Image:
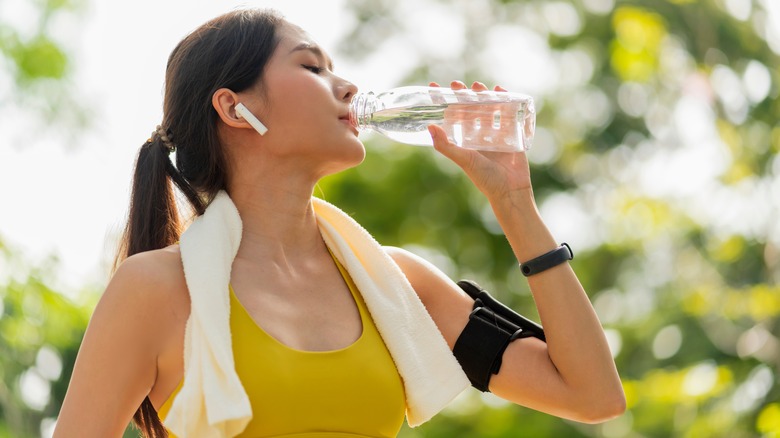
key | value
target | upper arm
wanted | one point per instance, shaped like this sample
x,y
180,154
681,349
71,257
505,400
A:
x,y
117,361
527,376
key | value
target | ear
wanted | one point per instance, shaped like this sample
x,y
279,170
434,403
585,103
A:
x,y
224,101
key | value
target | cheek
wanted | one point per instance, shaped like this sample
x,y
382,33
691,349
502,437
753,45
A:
x,y
292,104
297,100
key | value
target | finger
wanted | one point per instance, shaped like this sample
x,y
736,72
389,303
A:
x,y
436,96
499,88
478,86
483,116
447,148
457,85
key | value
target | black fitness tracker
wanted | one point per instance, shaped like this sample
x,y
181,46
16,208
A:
x,y
548,260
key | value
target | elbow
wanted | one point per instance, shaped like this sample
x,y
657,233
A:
x,y
605,408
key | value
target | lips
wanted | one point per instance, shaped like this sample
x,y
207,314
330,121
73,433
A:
x,y
346,119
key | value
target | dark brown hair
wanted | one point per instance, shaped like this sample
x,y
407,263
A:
x,y
230,51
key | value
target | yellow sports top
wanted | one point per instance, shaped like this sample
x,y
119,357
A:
x,y
352,392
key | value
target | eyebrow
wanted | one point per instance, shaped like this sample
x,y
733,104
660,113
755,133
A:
x,y
314,49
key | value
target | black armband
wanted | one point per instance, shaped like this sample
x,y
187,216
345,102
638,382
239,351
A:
x,y
491,327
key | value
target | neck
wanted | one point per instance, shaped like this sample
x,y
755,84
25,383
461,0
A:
x,y
279,224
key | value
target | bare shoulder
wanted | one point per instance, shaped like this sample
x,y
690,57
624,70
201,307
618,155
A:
x,y
158,267
417,270
137,323
150,291
427,279
151,279
447,304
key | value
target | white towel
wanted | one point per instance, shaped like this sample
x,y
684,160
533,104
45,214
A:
x,y
212,402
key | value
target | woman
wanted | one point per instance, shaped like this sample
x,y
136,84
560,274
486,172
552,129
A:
x,y
298,295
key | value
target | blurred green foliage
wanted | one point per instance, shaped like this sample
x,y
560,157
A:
x,y
40,332
662,118
656,157
38,64
40,329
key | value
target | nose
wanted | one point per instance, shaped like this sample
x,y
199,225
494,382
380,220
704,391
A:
x,y
346,90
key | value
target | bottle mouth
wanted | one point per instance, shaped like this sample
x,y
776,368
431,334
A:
x,y
360,110
352,117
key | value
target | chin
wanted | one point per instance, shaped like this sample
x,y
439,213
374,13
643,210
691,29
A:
x,y
347,157
355,160
356,151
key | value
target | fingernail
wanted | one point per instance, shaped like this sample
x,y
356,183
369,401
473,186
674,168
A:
x,y
431,131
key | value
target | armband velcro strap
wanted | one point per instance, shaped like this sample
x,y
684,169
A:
x,y
530,328
481,345
491,327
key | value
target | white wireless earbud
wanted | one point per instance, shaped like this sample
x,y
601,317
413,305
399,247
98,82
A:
x,y
244,112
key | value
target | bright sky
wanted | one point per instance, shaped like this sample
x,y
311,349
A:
x,y
66,201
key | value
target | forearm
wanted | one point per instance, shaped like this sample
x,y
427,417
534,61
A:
x,y
576,342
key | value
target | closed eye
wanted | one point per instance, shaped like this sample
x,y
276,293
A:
x,y
313,68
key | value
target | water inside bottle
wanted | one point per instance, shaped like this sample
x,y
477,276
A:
x,y
504,126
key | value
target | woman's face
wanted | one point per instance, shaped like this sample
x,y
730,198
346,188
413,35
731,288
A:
x,y
304,104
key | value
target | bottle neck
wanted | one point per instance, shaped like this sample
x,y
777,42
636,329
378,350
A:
x,y
361,109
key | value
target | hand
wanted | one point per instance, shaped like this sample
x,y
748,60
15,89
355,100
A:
x,y
496,174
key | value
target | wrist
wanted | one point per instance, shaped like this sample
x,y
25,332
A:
x,y
510,201
515,208
523,225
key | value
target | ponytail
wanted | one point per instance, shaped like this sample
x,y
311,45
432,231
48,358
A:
x,y
152,223
153,219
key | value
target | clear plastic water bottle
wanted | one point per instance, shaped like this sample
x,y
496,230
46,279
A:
x,y
484,120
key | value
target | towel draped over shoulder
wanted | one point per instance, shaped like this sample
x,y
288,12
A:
x,y
212,402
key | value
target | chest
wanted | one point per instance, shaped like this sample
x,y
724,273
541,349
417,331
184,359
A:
x,y
311,314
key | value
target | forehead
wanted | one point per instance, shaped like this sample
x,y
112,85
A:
x,y
290,36
293,38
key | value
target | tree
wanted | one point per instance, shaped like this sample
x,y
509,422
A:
x,y
40,329
37,65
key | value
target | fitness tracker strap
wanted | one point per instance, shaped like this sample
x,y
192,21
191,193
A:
x,y
548,260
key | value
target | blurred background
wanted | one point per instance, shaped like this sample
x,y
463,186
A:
x,y
655,157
